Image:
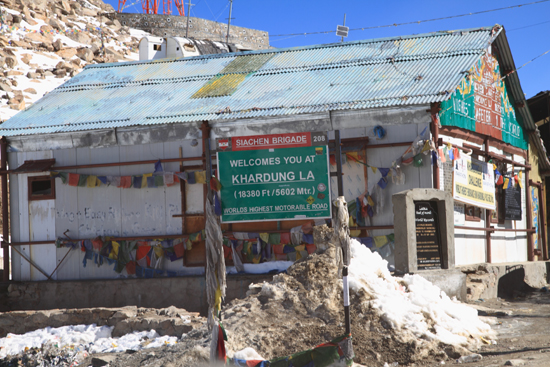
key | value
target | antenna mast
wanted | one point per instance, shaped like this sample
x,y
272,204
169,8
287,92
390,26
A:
x,y
229,20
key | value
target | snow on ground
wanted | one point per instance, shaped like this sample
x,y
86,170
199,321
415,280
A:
x,y
262,268
413,303
91,338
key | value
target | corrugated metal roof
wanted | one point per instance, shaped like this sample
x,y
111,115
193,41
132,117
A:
x,y
385,72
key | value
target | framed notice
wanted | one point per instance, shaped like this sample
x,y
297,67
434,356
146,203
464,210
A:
x,y
512,203
274,177
474,182
428,242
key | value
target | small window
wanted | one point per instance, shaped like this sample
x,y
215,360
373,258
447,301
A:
x,y
157,47
41,188
473,213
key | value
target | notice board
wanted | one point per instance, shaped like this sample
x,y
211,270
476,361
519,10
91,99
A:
x,y
512,203
274,177
428,244
474,182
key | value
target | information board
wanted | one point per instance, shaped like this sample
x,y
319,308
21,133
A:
x,y
512,203
266,183
474,182
427,235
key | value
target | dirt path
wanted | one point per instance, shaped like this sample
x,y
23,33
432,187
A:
x,y
523,329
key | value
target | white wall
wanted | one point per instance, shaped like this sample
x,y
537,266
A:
x,y
105,211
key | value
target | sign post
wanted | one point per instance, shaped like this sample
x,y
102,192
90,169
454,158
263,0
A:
x,y
274,177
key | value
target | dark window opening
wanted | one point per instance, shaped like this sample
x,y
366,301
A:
x,y
473,213
157,47
41,188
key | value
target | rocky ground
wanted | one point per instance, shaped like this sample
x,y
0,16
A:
x,y
43,43
295,312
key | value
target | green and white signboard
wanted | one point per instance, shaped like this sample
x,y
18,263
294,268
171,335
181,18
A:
x,y
274,177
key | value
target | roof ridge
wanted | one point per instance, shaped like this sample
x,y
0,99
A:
x,y
291,49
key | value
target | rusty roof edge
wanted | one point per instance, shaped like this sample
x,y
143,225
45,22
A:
x,y
507,63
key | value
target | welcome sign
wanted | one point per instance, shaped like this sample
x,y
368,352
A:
x,y
275,177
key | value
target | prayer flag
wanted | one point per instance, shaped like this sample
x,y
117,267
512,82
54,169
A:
x,y
158,167
74,178
144,179
215,184
83,181
91,181
442,155
200,177
384,171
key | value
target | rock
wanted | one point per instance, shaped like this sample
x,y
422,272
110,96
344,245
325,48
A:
x,y
37,37
57,45
17,105
80,37
32,75
66,53
28,18
16,18
56,24
75,62
88,12
46,28
455,351
65,5
11,62
48,73
104,360
20,43
26,58
515,362
5,87
85,54
470,358
60,73
14,72
30,90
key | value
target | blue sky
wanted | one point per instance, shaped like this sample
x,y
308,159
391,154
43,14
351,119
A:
x,y
527,28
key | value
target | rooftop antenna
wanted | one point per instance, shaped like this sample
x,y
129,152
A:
x,y
189,5
229,20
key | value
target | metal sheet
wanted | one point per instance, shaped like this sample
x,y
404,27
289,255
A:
x,y
376,73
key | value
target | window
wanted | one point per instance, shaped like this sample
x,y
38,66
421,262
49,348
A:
x,y
41,188
157,47
473,213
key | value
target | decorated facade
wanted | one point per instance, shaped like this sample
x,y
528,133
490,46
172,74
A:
x,y
103,184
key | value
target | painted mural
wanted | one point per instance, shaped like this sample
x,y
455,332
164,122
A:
x,y
535,215
481,103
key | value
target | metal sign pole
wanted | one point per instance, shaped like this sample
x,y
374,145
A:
x,y
342,40
340,180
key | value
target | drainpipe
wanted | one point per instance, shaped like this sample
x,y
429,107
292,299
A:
x,y
542,211
5,219
529,224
